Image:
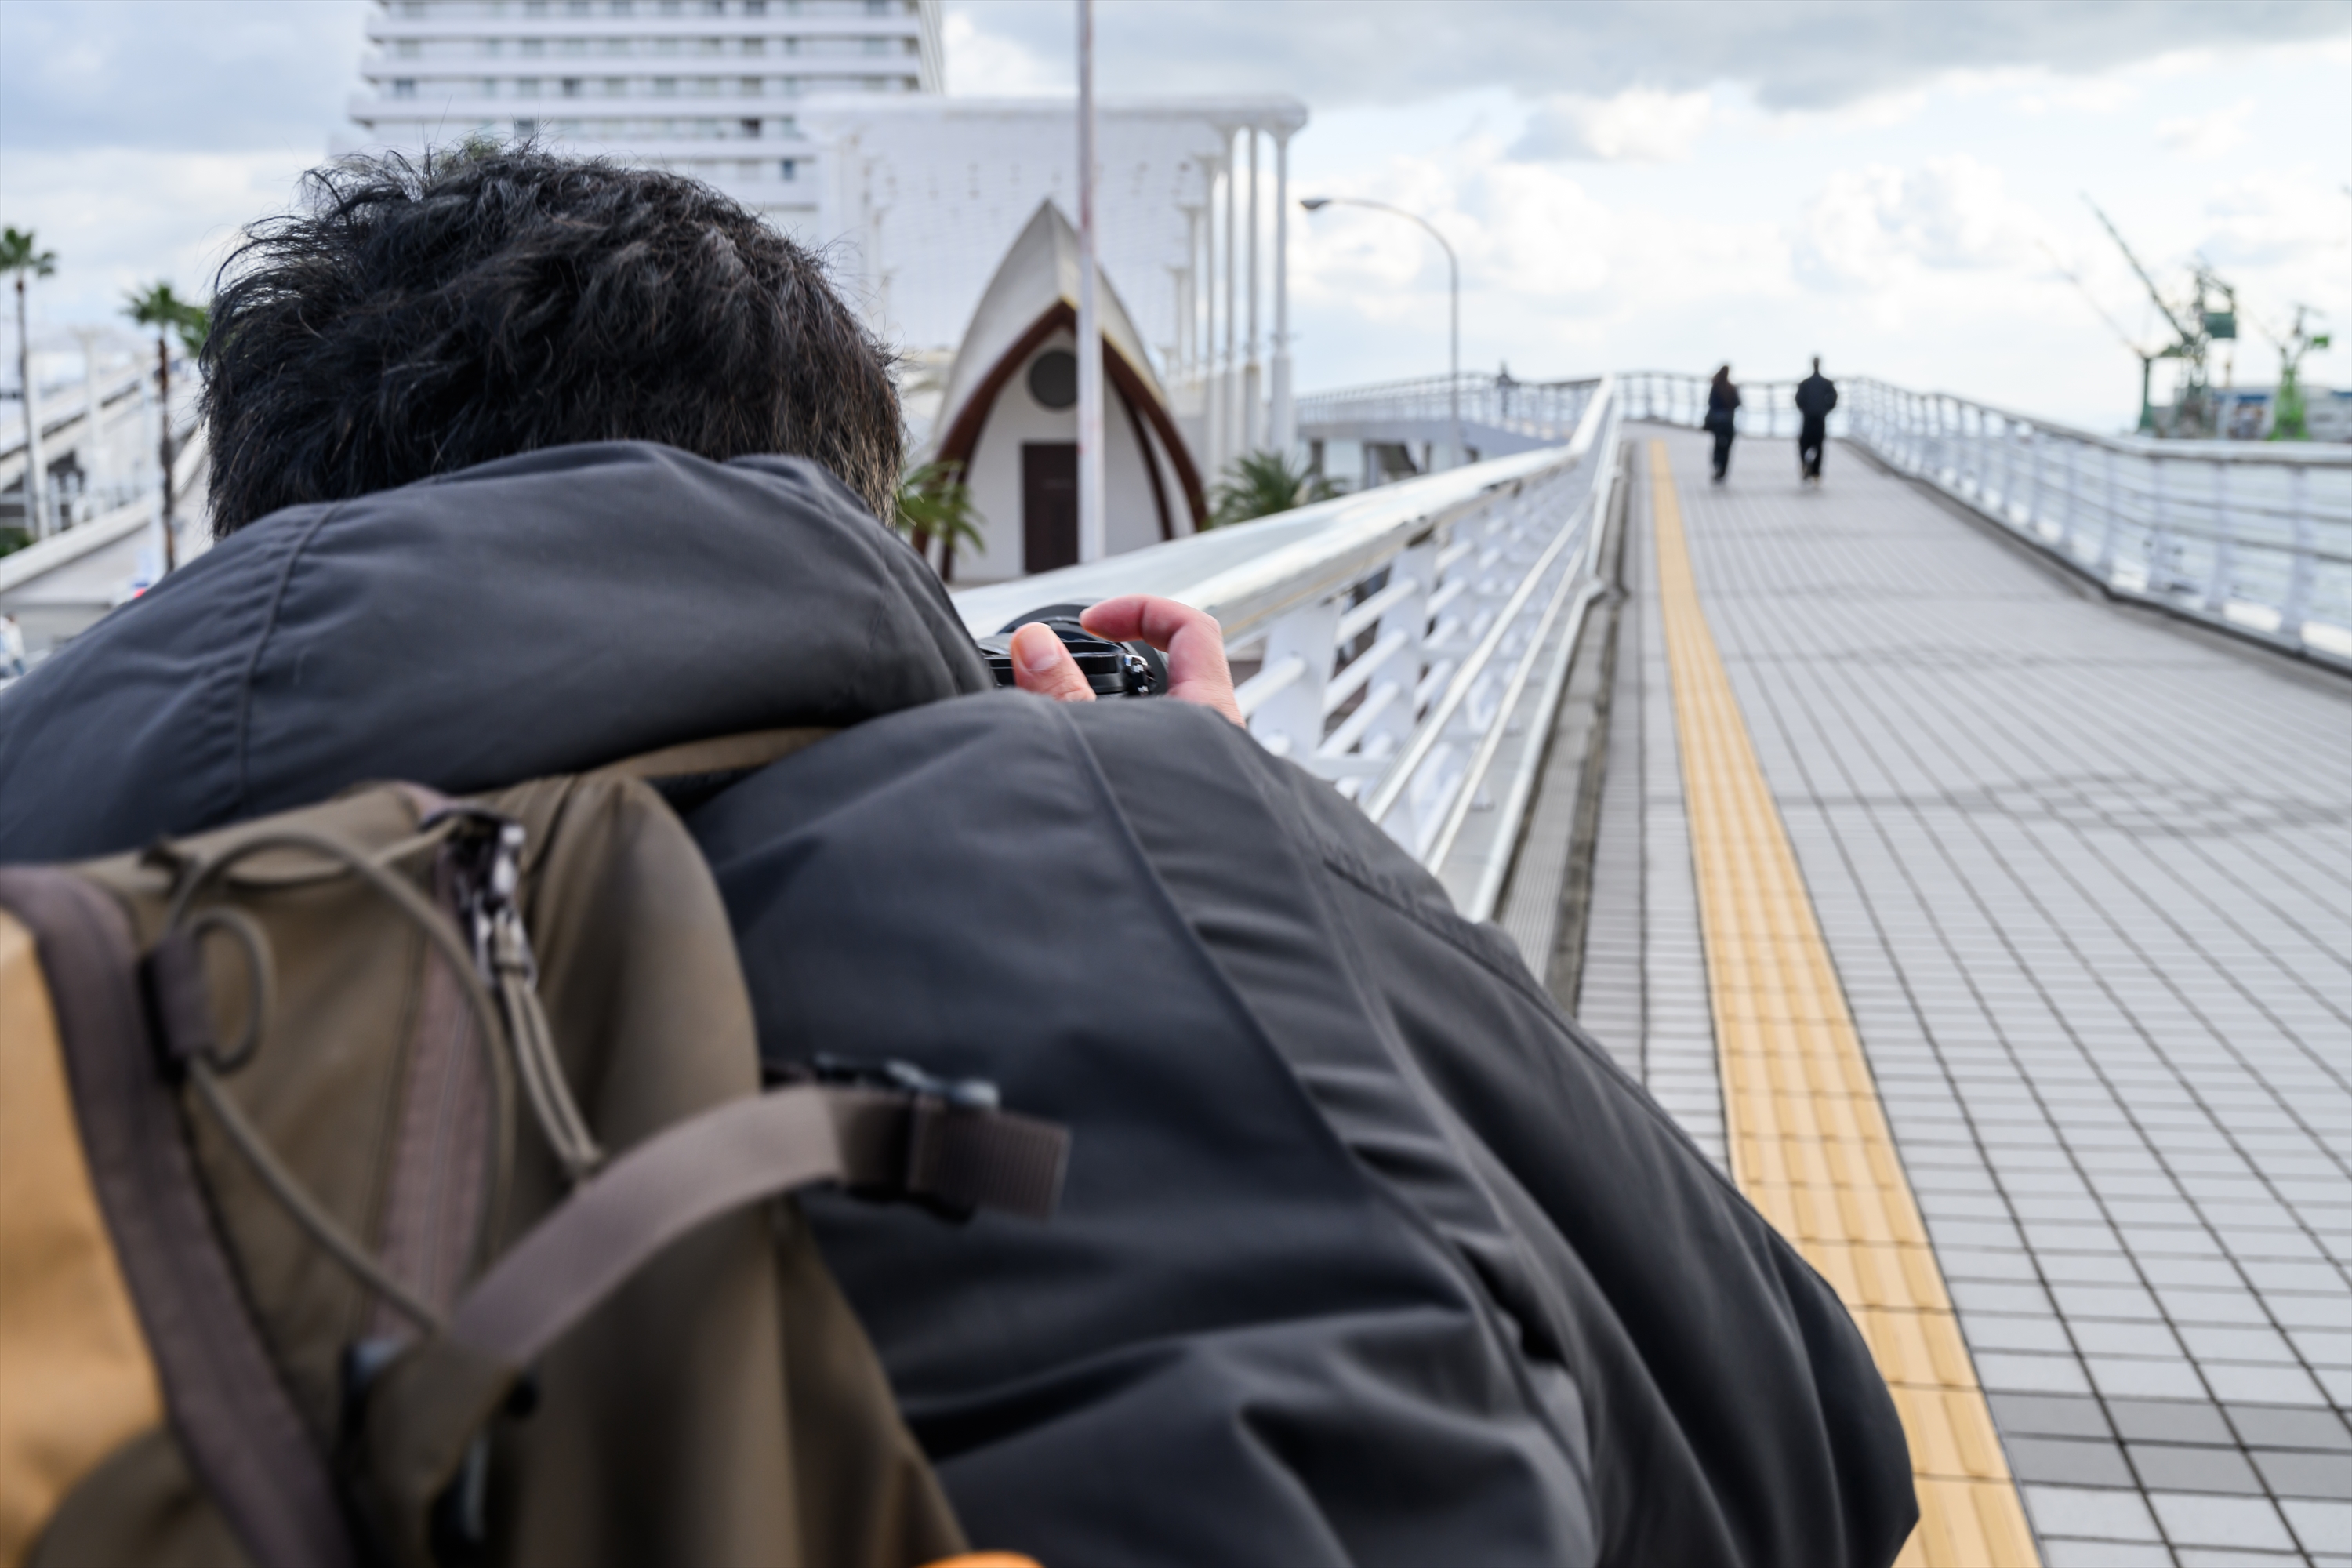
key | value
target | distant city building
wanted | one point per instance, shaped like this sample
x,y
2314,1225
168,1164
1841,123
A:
x,y
707,88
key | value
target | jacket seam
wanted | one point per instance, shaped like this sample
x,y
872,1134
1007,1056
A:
x,y
261,645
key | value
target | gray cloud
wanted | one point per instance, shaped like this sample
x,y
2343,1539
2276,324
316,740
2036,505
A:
x,y
1794,54
217,76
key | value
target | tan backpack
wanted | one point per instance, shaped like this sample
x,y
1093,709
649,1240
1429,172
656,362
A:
x,y
392,1181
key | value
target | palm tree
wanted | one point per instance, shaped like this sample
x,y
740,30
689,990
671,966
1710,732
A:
x,y
156,306
20,254
935,503
1259,484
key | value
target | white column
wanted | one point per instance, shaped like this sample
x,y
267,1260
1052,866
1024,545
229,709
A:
x,y
1252,373
1213,380
93,438
1229,436
1093,534
1285,418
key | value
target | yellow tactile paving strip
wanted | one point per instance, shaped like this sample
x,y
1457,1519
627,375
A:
x,y
1808,1138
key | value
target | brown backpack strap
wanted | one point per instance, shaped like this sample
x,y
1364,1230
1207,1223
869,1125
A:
x,y
237,1427
884,1142
737,754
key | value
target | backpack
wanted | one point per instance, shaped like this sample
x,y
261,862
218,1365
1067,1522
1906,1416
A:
x,y
392,1181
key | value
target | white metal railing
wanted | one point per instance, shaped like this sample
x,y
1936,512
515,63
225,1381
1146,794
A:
x,y
1409,644
1546,411
2254,536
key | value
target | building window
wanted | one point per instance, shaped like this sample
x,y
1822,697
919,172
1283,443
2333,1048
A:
x,y
534,7
492,45
750,131
526,127
789,168
404,86
534,46
878,46
577,7
615,87
571,87
575,45
412,8
526,87
753,47
665,86
671,7
755,7
707,129
408,48
622,7
749,87
714,7
705,87
711,46
489,87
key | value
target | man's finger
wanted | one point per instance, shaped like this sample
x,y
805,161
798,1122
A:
x,y
1042,665
1195,643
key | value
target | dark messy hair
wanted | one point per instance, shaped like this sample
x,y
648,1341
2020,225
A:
x,y
419,316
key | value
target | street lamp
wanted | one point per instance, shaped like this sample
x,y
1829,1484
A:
x,y
1453,285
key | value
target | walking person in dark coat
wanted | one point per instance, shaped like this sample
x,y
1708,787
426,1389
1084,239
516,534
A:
x,y
1722,405
1816,396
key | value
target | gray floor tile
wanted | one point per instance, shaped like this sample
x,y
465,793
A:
x,y
2320,1526
2172,1421
2062,1553
2263,1427
2294,1473
2068,1461
2191,1518
2099,1514
2054,1416
2167,1467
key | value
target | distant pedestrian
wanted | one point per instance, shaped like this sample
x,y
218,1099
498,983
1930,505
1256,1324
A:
x,y
1816,396
1722,403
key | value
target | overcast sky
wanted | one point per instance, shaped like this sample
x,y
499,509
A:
x,y
1630,184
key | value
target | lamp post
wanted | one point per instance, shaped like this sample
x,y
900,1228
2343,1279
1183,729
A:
x,y
1453,289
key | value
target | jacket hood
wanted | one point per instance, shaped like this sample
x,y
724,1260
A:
x,y
538,615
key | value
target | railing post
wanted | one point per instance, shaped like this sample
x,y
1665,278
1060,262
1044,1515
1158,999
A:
x,y
2217,585
2162,570
2033,492
2300,566
2073,534
2106,562
1290,722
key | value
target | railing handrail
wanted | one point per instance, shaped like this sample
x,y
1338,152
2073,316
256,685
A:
x,y
1297,551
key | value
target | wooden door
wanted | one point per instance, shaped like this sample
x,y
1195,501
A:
x,y
1049,505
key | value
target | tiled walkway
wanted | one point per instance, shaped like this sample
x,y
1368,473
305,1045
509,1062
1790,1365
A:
x,y
2087,885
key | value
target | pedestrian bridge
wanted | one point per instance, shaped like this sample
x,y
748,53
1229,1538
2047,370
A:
x,y
1961,852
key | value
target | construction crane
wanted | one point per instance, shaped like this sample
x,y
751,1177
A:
x,y
2288,417
2196,327
2147,357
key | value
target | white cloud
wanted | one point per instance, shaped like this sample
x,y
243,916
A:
x,y
983,64
2208,135
1873,224
1640,126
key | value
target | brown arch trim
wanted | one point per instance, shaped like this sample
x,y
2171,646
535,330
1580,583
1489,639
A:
x,y
963,436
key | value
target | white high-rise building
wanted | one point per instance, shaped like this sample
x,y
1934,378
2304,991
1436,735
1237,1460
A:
x,y
707,88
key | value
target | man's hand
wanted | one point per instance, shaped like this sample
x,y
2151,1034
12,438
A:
x,y
1193,642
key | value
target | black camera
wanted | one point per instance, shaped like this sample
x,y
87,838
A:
x,y
1112,669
